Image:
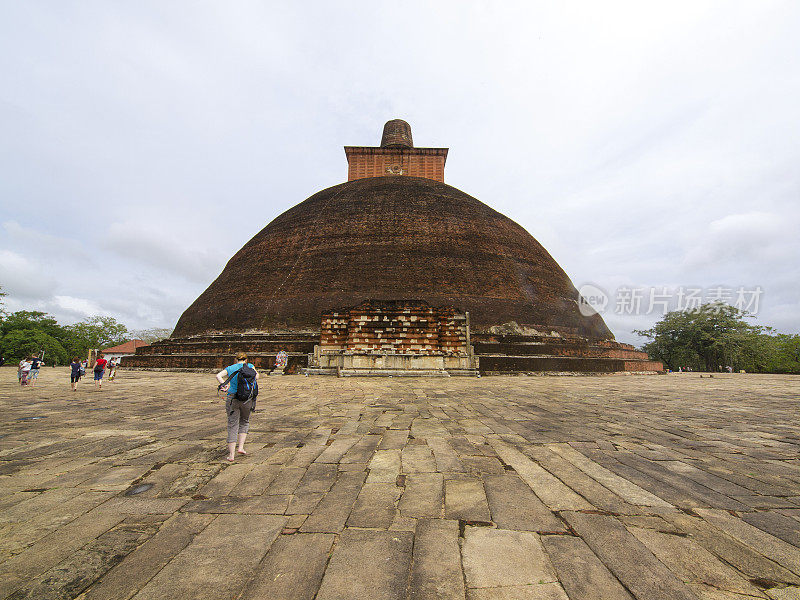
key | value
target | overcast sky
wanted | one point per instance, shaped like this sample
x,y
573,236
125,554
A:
x,y
645,145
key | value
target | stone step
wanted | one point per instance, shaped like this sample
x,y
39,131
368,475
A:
x,y
540,364
261,360
389,372
265,335
571,350
228,346
393,373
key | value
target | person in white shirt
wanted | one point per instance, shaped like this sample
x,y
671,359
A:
x,y
112,368
24,371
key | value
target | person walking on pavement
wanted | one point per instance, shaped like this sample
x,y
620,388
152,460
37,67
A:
x,y
238,411
23,371
112,368
99,370
36,363
75,373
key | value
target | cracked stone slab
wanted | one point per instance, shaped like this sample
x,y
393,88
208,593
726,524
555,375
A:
x,y
368,564
628,559
499,557
215,563
773,548
436,573
514,506
551,490
580,571
280,577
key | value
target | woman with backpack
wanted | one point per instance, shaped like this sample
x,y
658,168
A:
x,y
241,388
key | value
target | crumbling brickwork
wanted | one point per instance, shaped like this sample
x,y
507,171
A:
x,y
395,328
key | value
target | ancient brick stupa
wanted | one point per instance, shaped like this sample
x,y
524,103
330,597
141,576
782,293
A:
x,y
394,232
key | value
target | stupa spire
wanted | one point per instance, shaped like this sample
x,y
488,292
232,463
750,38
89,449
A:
x,y
395,156
397,134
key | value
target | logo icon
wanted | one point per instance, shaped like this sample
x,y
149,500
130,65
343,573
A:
x,y
591,300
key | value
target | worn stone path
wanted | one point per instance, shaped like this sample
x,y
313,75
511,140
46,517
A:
x,y
648,487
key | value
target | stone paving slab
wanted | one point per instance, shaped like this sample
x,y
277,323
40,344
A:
x,y
573,488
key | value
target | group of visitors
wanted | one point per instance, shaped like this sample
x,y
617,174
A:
x,y
78,370
28,371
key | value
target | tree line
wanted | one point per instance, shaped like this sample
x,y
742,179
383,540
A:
x,y
715,336
28,332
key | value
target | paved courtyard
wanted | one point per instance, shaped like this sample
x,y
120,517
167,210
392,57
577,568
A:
x,y
587,488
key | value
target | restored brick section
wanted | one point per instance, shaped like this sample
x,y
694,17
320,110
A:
x,y
379,162
395,328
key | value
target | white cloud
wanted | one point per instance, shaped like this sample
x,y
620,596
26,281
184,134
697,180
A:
x,y
163,250
23,277
80,307
754,237
34,242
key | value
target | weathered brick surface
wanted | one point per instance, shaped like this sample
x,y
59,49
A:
x,y
390,238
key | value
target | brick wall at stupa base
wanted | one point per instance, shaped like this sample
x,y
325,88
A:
x,y
558,353
215,351
394,338
495,353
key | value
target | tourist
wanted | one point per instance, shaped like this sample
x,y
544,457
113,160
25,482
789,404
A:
x,y
99,370
238,412
112,368
75,374
36,363
281,360
23,371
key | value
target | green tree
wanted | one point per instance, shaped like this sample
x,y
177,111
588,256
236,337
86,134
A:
x,y
30,322
22,343
785,353
32,319
71,340
96,333
669,341
151,335
713,336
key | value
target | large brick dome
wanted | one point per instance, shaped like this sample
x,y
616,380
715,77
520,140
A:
x,y
389,238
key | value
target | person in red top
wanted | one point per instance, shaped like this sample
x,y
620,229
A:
x,y
99,369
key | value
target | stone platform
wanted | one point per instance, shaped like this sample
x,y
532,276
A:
x,y
216,351
496,354
612,487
